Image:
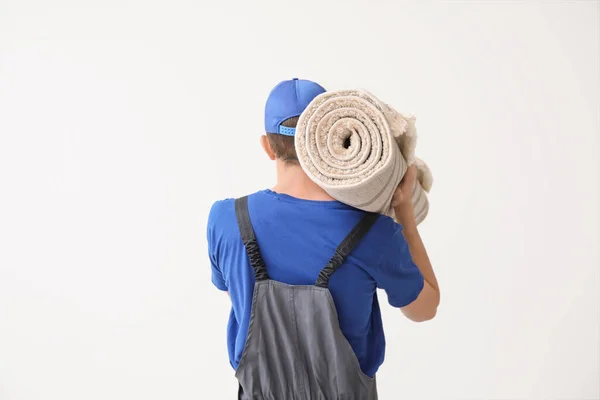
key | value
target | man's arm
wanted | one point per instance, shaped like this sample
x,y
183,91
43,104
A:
x,y
212,237
425,306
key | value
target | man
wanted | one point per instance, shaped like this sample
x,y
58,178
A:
x,y
302,271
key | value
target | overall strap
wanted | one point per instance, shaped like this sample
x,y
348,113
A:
x,y
346,247
249,239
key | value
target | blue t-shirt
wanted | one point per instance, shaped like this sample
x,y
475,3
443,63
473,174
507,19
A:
x,y
296,240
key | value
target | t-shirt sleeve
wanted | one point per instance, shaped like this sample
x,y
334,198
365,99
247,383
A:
x,y
397,274
213,249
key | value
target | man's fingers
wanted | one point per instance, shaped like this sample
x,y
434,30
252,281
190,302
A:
x,y
397,199
408,180
404,190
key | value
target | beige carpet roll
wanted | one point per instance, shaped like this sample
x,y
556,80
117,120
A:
x,y
358,148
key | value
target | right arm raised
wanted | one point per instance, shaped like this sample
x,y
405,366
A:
x,y
424,307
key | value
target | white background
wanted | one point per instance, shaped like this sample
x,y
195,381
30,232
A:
x,y
122,121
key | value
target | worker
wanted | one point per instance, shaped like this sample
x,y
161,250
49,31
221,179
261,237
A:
x,y
302,271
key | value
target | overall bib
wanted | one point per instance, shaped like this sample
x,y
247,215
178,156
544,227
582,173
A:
x,y
295,349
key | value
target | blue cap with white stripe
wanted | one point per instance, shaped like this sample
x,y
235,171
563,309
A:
x,y
287,100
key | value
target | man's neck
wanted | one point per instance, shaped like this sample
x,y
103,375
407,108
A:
x,y
292,180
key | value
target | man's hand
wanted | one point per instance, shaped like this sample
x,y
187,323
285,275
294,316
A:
x,y
403,207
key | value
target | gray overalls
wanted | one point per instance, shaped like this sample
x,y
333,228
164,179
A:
x,y
295,349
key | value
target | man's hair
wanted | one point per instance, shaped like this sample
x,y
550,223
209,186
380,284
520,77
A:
x,y
283,145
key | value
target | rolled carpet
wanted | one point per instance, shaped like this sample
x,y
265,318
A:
x,y
357,148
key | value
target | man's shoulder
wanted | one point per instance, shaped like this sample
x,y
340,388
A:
x,y
220,207
386,238
384,229
222,212
219,211
387,226
381,243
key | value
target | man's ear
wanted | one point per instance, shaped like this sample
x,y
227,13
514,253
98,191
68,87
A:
x,y
264,142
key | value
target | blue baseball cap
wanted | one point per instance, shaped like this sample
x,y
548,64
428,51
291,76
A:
x,y
287,100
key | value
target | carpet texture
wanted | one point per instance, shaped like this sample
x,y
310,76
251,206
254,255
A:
x,y
357,148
